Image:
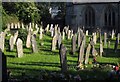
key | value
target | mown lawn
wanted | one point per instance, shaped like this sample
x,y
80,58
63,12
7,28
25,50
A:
x,y
33,64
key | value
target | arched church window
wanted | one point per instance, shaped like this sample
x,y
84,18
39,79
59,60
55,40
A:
x,y
89,17
109,17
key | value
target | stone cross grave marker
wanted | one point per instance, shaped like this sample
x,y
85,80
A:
x,y
63,58
19,45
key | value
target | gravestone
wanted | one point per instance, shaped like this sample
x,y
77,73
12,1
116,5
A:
x,y
108,44
47,28
58,29
55,30
8,26
105,39
19,45
113,33
79,39
68,35
54,42
18,24
73,44
94,51
15,37
86,32
12,26
52,31
34,44
118,36
94,37
101,45
87,54
71,33
59,40
63,34
63,58
11,43
41,35
116,44
2,40
28,41
81,52
23,26
3,68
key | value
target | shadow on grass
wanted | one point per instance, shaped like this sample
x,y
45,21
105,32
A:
x,y
38,64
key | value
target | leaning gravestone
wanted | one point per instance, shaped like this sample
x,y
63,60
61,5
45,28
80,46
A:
x,y
3,67
73,44
79,39
94,51
28,42
87,54
81,52
34,44
63,58
11,43
19,45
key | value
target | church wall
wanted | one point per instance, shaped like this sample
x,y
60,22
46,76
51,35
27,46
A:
x,y
77,19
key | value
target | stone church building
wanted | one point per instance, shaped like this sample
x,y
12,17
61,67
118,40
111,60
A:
x,y
104,14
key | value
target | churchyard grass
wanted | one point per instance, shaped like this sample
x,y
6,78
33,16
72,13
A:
x,y
31,64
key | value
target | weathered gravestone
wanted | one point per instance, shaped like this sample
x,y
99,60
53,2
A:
x,y
79,39
71,34
28,41
12,26
94,51
86,32
34,44
116,44
105,39
94,37
118,36
81,52
68,35
101,46
23,26
59,40
113,33
63,34
15,37
11,43
2,40
19,45
54,42
3,67
41,31
18,24
87,54
63,58
73,44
